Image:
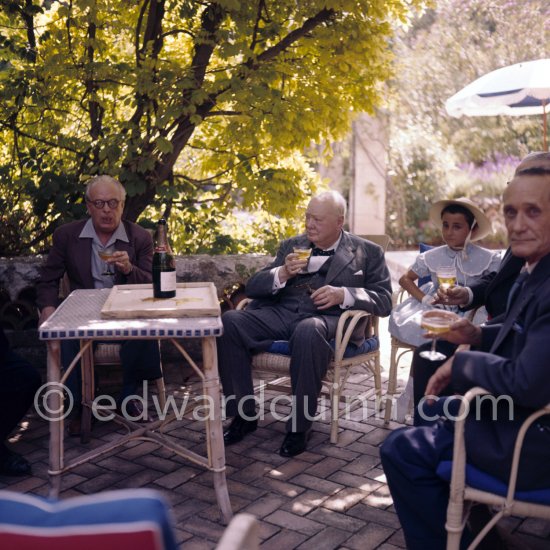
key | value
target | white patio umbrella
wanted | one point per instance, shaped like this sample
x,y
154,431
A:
x,y
516,90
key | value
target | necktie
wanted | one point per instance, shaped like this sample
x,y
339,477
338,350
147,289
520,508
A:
x,y
516,288
320,252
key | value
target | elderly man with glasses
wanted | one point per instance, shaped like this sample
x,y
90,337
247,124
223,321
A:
x,y
76,252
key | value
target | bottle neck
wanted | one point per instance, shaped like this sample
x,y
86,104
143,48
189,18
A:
x,y
161,244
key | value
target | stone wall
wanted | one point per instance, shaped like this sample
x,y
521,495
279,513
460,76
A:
x,y
18,312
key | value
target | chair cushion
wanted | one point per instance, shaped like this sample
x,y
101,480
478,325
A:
x,y
129,518
484,482
423,247
281,347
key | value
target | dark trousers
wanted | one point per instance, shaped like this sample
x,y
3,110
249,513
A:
x,y
410,457
422,370
19,382
252,331
140,360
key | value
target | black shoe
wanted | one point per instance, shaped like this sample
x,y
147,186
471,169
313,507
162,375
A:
x,y
238,428
294,443
13,464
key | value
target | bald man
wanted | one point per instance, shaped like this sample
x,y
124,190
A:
x,y
301,301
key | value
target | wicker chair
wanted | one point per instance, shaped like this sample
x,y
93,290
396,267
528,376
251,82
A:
x,y
241,534
277,365
472,485
107,354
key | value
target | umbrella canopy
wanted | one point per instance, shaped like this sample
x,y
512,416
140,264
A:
x,y
516,90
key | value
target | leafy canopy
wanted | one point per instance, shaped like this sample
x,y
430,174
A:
x,y
201,109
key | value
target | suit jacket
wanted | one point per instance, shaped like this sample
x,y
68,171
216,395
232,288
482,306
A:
x,y
515,363
357,264
493,289
72,255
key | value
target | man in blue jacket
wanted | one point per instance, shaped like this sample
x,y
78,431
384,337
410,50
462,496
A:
x,y
508,359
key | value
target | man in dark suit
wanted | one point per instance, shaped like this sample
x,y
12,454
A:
x,y
491,291
508,359
19,382
301,302
75,252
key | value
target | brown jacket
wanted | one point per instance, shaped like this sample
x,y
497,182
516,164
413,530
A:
x,y
72,255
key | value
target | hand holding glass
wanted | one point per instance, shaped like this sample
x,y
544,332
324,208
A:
x,y
446,277
106,254
436,321
303,253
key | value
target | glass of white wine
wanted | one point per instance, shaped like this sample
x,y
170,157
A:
x,y
106,254
303,254
446,277
436,321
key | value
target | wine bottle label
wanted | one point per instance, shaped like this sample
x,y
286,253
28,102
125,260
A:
x,y
167,281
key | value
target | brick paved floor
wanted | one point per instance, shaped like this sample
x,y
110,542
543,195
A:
x,y
332,496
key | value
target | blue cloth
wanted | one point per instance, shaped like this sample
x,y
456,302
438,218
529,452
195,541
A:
x,y
281,347
423,247
484,482
127,518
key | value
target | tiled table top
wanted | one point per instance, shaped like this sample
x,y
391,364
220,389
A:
x,y
79,316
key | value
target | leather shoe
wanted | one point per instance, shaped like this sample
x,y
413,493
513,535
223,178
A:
x,y
133,411
13,464
294,443
238,428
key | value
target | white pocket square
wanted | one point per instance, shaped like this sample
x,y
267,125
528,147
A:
x,y
360,272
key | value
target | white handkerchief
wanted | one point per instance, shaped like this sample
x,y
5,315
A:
x,y
360,272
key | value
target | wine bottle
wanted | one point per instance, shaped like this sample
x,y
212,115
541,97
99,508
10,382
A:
x,y
164,267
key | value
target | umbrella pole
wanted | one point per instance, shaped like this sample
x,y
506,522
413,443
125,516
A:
x,y
544,127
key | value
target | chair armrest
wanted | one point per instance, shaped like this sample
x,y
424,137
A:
x,y
240,534
459,450
398,296
243,303
458,474
346,325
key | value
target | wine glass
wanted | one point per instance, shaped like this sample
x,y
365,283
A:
x,y
106,254
303,254
436,321
446,277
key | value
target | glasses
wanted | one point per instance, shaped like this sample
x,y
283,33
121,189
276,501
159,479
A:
x,y
99,204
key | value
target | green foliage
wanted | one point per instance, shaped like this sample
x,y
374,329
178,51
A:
x,y
444,50
201,109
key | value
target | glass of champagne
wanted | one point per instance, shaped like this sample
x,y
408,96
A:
x,y
436,321
446,277
303,254
106,254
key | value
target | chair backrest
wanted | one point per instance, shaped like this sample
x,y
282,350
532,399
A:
x,y
127,518
381,240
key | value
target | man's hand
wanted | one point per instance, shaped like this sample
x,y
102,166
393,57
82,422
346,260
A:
x,y
454,296
461,332
121,261
440,379
328,296
292,266
45,313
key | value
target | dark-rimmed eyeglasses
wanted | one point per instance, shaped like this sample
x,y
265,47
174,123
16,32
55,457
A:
x,y
99,204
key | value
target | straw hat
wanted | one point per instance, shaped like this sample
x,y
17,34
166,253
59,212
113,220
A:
x,y
483,225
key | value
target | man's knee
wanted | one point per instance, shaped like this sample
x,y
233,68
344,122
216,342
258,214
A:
x,y
231,319
390,447
311,330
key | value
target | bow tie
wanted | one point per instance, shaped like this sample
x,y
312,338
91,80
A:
x,y
320,252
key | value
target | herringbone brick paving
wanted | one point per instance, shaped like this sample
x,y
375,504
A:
x,y
332,496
